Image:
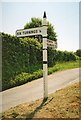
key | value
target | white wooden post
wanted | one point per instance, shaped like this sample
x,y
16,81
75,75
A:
x,y
44,35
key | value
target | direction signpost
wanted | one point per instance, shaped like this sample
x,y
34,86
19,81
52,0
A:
x,y
46,43
29,32
44,36
51,43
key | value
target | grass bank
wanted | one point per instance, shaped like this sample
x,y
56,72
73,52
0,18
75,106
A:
x,y
35,72
63,103
64,66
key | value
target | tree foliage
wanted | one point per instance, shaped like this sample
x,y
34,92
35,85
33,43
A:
x,y
78,52
37,22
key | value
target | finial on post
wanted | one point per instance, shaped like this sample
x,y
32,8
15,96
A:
x,y
44,16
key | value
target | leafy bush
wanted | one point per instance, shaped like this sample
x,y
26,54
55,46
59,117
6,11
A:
x,y
51,57
18,55
78,53
65,56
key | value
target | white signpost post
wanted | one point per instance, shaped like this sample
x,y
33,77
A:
x,y
40,31
44,36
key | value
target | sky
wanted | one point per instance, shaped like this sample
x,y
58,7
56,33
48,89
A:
x,y
64,16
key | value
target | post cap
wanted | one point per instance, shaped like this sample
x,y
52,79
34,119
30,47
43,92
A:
x,y
44,16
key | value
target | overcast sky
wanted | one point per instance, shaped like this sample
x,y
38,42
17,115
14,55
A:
x,y
64,16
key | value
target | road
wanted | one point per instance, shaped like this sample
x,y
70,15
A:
x,y
34,90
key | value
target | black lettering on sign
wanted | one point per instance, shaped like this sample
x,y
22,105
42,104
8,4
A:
x,y
36,31
40,31
29,32
18,33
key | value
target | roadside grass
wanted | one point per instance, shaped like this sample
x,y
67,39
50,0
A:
x,y
64,66
35,72
63,103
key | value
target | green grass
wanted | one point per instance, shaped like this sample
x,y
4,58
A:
x,y
64,66
63,103
35,72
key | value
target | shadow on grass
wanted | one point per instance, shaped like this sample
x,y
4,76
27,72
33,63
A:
x,y
44,102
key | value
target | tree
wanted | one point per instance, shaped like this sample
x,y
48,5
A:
x,y
78,52
37,22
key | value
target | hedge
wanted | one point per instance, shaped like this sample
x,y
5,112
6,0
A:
x,y
22,59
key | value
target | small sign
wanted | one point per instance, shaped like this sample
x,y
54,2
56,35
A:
x,y
29,32
51,43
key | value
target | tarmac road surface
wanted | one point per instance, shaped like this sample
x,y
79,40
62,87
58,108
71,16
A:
x,y
34,90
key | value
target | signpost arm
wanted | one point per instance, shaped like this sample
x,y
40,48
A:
x,y
44,35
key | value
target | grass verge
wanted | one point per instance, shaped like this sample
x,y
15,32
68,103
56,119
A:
x,y
64,66
61,104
